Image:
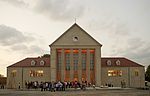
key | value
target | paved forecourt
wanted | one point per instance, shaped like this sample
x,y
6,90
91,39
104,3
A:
x,y
73,92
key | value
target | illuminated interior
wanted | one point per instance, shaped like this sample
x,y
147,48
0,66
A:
x,y
73,62
36,73
114,73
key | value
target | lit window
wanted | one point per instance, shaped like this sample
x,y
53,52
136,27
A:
x,y
75,51
136,72
84,51
92,50
38,73
114,73
67,51
13,73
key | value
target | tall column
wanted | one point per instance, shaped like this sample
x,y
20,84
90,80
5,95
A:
x,y
62,65
53,64
80,66
98,66
88,65
71,65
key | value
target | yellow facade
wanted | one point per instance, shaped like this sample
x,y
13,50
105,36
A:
x,y
76,56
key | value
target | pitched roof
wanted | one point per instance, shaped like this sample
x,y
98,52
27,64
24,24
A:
x,y
124,62
71,28
27,62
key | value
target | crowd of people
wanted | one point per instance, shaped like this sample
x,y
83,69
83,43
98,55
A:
x,y
56,86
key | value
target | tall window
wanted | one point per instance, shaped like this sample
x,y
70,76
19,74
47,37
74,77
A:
x,y
75,59
13,73
114,73
136,72
59,59
67,59
83,61
92,52
36,73
76,62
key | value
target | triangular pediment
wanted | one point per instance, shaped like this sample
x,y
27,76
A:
x,y
75,35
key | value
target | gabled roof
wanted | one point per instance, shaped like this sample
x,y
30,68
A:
x,y
27,62
71,28
124,62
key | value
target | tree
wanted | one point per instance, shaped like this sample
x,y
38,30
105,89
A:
x,y
147,74
46,55
1,75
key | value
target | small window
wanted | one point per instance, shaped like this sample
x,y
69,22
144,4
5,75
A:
x,y
33,63
13,73
42,62
136,72
118,62
75,38
108,62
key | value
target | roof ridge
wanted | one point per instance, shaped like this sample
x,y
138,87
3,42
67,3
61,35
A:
x,y
75,24
18,62
134,62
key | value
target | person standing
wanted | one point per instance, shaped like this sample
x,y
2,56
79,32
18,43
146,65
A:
x,y
53,86
19,86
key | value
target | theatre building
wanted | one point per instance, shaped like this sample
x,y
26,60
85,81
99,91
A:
x,y
76,56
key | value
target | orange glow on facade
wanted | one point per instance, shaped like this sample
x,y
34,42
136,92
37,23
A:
x,y
67,51
92,50
83,75
59,50
92,77
84,51
75,75
67,75
75,51
67,63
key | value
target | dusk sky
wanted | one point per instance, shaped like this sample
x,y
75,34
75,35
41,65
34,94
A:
x,y
28,27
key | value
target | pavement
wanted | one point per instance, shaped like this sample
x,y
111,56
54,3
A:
x,y
78,92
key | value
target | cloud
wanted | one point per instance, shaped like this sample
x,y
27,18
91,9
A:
x,y
34,49
19,47
59,9
14,40
54,9
27,49
11,36
136,49
17,3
